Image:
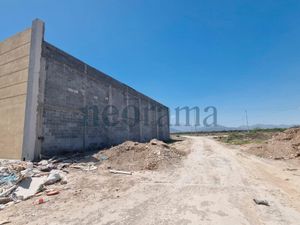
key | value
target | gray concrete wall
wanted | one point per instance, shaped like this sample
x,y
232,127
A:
x,y
76,116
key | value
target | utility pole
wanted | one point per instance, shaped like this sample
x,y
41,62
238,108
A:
x,y
247,120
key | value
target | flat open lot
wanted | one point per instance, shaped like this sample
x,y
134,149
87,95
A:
x,y
214,184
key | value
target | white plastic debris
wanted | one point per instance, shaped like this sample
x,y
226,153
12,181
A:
x,y
43,163
27,173
54,176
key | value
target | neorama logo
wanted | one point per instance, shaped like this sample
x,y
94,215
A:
x,y
210,119
132,115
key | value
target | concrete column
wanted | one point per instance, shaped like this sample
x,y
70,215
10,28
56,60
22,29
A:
x,y
30,149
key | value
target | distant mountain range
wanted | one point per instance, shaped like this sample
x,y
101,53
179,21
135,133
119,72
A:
x,y
178,129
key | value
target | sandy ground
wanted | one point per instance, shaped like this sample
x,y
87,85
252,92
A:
x,y
214,184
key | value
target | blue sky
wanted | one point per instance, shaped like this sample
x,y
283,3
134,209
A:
x,y
234,55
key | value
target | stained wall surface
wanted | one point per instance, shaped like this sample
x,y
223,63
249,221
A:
x,y
86,109
14,64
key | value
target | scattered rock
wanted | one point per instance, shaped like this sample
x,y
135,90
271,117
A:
x,y
261,202
291,169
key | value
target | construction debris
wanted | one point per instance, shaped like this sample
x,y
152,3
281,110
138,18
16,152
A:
x,y
29,187
85,166
39,201
20,180
291,169
261,202
54,176
52,192
120,172
4,222
4,200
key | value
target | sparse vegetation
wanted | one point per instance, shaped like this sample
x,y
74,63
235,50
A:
x,y
256,136
239,137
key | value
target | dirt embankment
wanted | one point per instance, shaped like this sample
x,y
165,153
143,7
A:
x,y
133,156
283,145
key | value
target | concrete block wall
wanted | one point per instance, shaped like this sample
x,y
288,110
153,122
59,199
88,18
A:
x,y
51,102
76,98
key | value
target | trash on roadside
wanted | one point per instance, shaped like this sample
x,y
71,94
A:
x,y
8,191
290,169
52,192
39,201
120,172
4,200
2,222
54,176
62,166
20,180
103,157
85,166
261,202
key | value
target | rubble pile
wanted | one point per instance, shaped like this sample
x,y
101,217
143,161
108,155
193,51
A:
x,y
21,180
284,145
132,156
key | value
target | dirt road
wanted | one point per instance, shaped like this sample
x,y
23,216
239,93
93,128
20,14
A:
x,y
214,185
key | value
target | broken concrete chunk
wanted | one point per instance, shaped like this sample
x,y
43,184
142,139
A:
x,y
29,187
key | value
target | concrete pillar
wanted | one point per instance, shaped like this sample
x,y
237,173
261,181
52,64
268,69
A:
x,y
31,149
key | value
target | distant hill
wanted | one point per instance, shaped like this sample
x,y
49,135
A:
x,y
178,129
